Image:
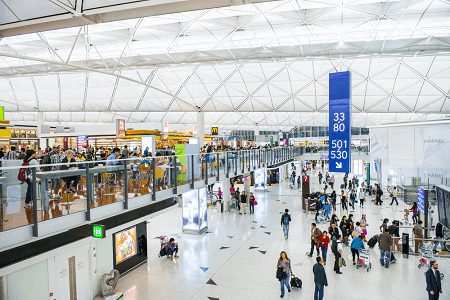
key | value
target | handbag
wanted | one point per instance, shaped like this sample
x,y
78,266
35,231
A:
x,y
255,202
342,262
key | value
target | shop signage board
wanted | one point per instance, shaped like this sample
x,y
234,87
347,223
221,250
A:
x,y
98,231
194,129
2,113
165,126
82,141
421,199
215,131
340,122
120,128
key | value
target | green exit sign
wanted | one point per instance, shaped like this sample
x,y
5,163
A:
x,y
98,231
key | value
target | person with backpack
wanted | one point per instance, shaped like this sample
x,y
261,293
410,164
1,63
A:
x,y
320,278
356,245
384,243
336,248
324,240
298,182
285,220
26,173
320,177
318,207
333,200
379,194
333,231
343,227
315,235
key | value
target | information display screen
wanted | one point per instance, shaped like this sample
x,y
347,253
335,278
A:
x,y
340,122
125,244
421,199
260,179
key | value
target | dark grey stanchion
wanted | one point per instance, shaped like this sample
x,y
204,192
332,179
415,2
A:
x,y
125,185
235,162
35,215
154,179
192,172
227,169
175,170
206,169
88,193
218,166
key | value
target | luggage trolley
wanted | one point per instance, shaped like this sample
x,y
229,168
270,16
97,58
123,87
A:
x,y
164,240
427,257
364,259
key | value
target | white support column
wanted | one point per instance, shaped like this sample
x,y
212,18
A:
x,y
226,194
247,185
40,122
201,129
256,129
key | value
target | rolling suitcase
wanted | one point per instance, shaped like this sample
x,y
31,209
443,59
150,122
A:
x,y
296,282
373,241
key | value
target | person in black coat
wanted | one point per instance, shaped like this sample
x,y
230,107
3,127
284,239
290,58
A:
x,y
320,278
433,277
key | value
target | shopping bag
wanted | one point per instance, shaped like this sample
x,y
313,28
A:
x,y
255,202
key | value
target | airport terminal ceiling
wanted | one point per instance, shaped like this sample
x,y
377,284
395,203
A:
x,y
264,63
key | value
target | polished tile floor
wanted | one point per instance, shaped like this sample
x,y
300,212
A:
x,y
237,258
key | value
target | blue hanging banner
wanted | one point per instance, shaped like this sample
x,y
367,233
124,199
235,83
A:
x,y
340,122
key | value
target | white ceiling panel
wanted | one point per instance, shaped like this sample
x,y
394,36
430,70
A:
x,y
269,62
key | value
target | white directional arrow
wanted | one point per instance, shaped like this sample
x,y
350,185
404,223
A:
x,y
338,165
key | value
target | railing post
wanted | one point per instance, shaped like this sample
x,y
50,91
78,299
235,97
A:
x,y
235,162
35,215
176,174
192,171
154,179
206,168
88,193
227,169
125,184
218,166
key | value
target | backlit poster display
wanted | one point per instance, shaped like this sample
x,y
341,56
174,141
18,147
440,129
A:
x,y
82,141
125,244
261,179
148,142
340,122
441,206
190,210
120,128
195,211
203,206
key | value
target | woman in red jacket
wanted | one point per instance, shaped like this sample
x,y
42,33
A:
x,y
324,240
415,210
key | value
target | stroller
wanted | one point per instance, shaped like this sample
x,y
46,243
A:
x,y
164,240
321,216
406,218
